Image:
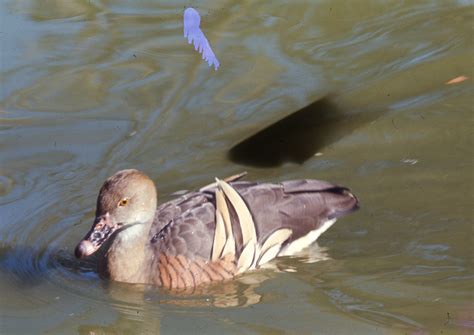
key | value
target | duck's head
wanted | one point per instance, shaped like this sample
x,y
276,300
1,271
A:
x,y
126,199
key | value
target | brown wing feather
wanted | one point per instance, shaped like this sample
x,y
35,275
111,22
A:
x,y
176,208
190,234
185,227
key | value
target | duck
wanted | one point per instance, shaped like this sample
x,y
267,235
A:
x,y
209,235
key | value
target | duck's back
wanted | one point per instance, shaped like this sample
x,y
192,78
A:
x,y
186,249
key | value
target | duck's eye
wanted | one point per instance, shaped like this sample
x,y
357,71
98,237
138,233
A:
x,y
123,202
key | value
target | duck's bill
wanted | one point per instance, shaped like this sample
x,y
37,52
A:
x,y
100,232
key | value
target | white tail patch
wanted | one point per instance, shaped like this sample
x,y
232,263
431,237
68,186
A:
x,y
306,240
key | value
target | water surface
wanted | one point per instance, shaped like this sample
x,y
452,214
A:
x,y
91,87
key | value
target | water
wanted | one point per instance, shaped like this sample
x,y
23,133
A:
x,y
88,88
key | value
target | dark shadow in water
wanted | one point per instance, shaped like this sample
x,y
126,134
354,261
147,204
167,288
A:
x,y
297,137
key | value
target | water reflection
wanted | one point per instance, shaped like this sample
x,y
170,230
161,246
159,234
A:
x,y
30,266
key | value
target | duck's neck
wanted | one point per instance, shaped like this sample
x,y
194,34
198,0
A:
x,y
126,256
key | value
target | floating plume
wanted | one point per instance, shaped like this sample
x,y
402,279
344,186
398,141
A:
x,y
192,20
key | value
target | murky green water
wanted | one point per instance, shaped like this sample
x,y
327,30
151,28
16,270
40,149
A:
x,y
91,87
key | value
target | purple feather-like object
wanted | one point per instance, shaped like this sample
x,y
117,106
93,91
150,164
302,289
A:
x,y
192,20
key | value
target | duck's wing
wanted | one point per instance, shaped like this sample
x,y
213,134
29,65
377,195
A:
x,y
167,213
282,219
185,235
234,227
181,248
305,207
300,205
